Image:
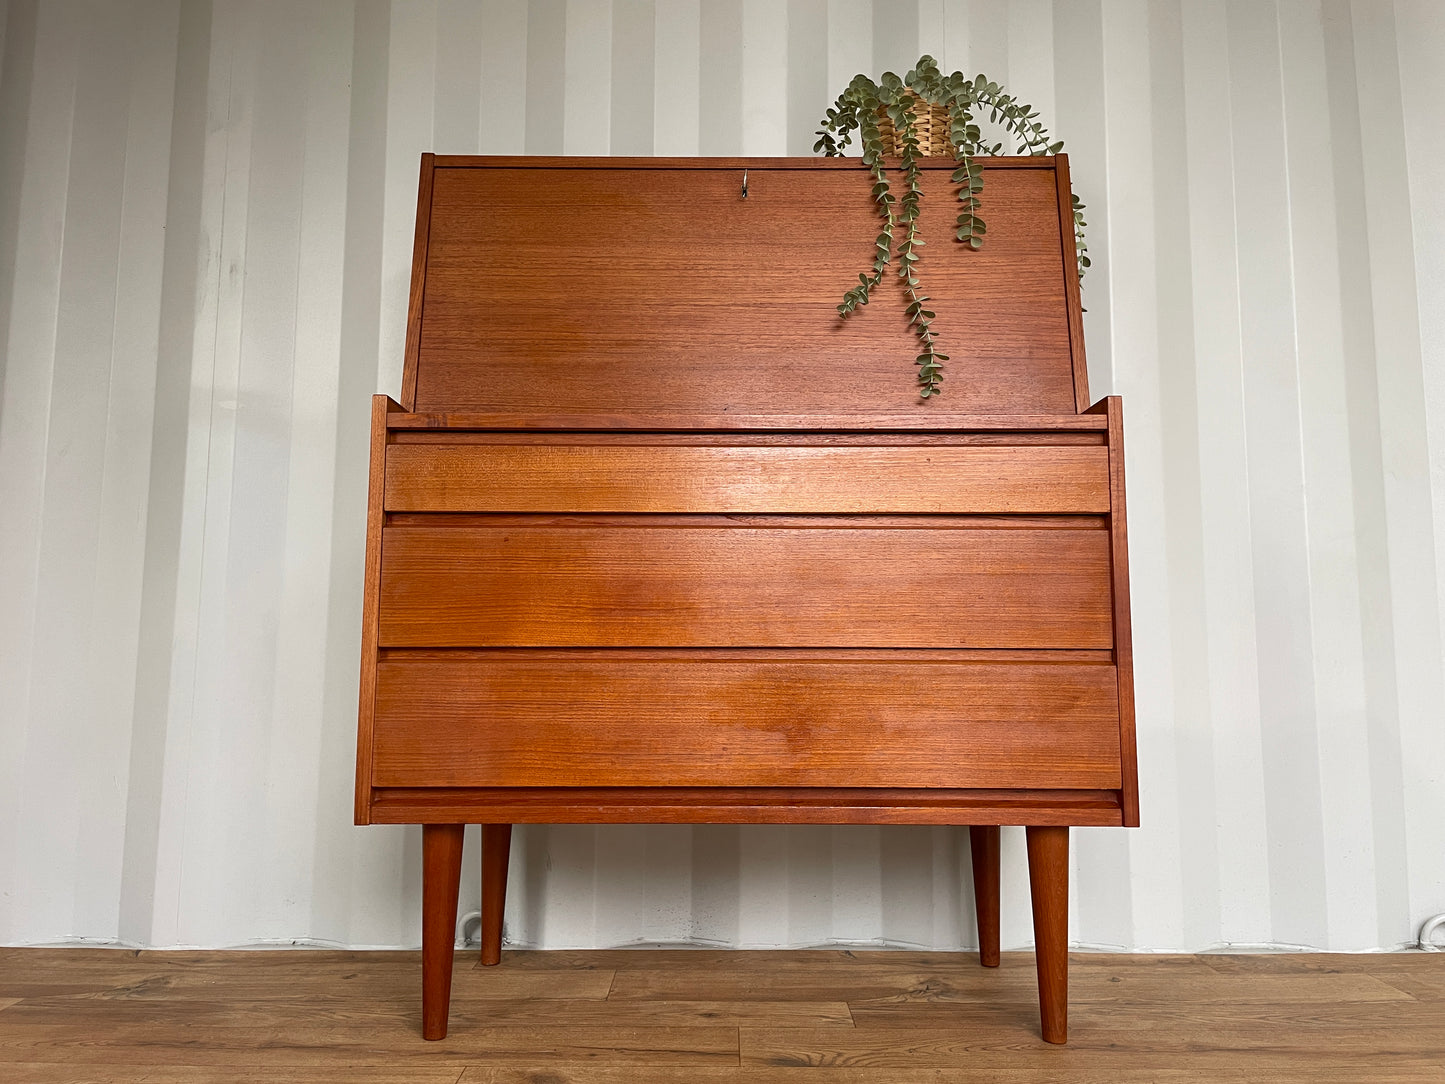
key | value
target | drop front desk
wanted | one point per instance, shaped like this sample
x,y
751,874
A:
x,y
654,536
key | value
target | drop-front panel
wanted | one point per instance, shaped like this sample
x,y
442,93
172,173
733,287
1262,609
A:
x,y
653,536
627,287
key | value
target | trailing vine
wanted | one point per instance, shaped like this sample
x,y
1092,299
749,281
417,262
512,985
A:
x,y
966,101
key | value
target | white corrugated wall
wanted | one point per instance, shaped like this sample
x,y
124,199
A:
x,y
206,215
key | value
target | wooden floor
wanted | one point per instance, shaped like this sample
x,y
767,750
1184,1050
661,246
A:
x,y
641,1016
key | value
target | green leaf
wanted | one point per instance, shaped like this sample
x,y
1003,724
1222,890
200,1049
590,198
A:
x,y
861,107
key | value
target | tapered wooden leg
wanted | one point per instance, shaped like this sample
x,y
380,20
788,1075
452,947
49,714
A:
x,y
1049,887
496,849
441,861
983,841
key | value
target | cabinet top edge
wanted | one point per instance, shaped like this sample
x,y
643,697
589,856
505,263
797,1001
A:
x,y
534,161
810,423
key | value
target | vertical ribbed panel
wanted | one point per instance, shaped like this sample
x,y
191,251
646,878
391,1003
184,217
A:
x,y
206,215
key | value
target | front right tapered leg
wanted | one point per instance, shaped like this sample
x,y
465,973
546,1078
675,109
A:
x,y
1049,887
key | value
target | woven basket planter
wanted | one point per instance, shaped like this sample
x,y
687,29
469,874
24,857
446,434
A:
x,y
931,126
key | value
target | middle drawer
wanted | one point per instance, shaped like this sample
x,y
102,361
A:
x,y
775,582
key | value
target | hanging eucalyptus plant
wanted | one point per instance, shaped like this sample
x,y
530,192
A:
x,y
892,103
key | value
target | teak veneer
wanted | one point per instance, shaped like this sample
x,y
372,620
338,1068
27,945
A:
x,y
653,536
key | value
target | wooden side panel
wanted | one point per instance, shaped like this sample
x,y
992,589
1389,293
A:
x,y
1073,301
617,286
781,586
516,720
417,297
381,406
1113,408
602,478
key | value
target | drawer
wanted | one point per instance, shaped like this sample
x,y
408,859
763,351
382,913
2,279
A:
x,y
798,479
538,719
631,583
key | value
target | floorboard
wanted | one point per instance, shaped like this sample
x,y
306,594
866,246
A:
x,y
111,1016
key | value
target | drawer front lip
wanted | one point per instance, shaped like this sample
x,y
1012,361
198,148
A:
x,y
742,805
517,585
679,721
1021,479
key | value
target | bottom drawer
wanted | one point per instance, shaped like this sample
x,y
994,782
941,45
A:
x,y
523,719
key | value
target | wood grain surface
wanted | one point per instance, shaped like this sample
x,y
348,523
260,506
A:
x,y
648,1016
629,478
567,289
782,586
518,721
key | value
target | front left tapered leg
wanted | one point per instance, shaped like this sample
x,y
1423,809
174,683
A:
x,y
441,860
1049,887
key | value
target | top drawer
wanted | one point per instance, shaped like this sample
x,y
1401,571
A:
x,y
670,478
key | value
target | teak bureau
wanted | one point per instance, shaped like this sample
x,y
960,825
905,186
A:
x,y
654,536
